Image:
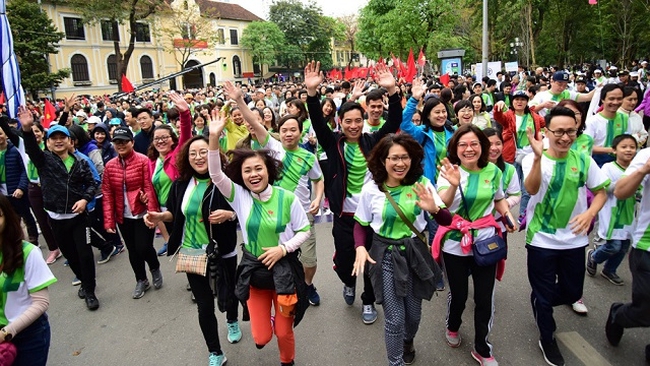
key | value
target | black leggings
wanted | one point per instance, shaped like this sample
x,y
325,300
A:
x,y
205,303
138,239
73,238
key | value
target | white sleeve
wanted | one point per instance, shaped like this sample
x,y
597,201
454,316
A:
x,y
37,273
499,195
637,129
275,146
639,160
442,183
596,179
514,188
363,214
315,173
536,100
590,128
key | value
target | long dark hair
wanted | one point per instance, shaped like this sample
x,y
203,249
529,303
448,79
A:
x,y
378,155
233,170
302,116
583,115
12,238
452,146
185,170
152,153
489,132
428,107
330,119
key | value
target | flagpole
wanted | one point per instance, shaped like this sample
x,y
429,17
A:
x,y
484,64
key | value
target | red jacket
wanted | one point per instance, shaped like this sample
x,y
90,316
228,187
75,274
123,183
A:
x,y
134,169
509,123
169,163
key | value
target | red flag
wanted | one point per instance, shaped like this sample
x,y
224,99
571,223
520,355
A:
x,y
347,73
381,60
410,72
421,59
444,79
2,98
127,87
49,114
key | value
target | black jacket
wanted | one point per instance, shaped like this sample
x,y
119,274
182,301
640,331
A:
x,y
336,179
286,277
61,189
142,140
415,259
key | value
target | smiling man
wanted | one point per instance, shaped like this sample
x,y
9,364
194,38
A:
x,y
143,139
545,100
375,109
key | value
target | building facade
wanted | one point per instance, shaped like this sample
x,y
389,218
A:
x,y
88,50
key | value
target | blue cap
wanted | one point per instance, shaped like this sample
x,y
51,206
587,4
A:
x,y
115,121
57,129
561,76
520,94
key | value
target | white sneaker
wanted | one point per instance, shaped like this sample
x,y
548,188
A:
x,y
579,307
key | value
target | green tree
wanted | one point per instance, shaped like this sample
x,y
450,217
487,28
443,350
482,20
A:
x,y
35,38
264,40
133,13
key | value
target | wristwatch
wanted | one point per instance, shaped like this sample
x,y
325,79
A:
x,y
6,335
234,216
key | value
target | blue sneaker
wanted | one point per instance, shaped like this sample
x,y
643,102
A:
x,y
106,255
312,294
163,250
217,360
76,281
234,333
349,293
369,314
118,249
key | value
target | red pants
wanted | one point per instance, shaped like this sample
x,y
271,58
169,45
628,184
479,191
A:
x,y
259,306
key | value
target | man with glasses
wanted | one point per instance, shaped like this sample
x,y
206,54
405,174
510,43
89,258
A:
x,y
559,218
142,140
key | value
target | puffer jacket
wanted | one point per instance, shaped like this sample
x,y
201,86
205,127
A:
x,y
15,173
131,171
61,189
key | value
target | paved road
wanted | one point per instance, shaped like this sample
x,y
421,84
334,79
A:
x,y
162,327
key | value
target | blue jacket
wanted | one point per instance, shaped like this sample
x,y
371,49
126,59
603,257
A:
x,y
425,136
15,172
91,204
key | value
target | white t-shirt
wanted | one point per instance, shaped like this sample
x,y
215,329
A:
x,y
480,188
298,167
562,195
33,277
641,236
604,130
375,210
616,218
545,96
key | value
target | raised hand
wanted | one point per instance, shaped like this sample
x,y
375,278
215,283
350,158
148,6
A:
x,y
357,91
384,78
425,198
536,142
234,92
179,102
25,117
217,124
70,101
417,89
450,172
313,77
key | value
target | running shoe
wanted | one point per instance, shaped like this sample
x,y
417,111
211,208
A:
x,y
613,278
484,361
157,278
140,289
453,338
76,281
234,333
163,250
53,256
579,307
409,353
551,352
106,255
349,293
217,360
312,294
592,266
369,314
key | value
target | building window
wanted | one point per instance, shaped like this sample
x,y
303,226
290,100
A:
x,y
111,63
213,79
236,66
74,28
79,66
107,30
146,67
142,33
221,36
233,37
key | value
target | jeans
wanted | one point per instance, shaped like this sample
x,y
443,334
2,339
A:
x,y
73,236
613,251
138,239
525,196
556,278
345,255
636,313
458,269
33,343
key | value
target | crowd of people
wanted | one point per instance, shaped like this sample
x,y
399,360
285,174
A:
x,y
420,179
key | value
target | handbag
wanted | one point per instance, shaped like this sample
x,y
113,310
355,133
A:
x,y
403,217
8,353
191,260
489,251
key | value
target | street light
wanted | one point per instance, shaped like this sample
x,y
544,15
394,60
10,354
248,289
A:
x,y
513,48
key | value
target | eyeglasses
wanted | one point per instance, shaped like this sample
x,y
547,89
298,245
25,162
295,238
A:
x,y
474,145
556,133
395,158
201,153
161,138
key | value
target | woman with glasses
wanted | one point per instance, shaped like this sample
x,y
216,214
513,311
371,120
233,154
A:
x,y
202,218
468,168
162,158
400,266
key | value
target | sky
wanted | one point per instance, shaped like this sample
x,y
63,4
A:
x,y
333,8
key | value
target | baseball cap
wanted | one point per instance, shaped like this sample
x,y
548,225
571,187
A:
x,y
260,90
644,62
623,73
520,94
188,96
123,133
81,114
115,121
581,79
634,74
94,120
57,129
561,76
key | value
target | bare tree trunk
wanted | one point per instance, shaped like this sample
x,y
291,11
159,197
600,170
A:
x,y
530,33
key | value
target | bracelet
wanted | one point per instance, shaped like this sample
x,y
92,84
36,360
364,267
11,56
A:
x,y
284,250
234,216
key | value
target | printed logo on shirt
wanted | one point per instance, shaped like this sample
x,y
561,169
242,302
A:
x,y
270,212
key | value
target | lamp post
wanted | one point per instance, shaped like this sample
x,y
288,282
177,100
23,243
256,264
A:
x,y
514,46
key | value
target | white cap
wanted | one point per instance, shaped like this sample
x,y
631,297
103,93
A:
x,y
94,119
644,62
81,113
634,74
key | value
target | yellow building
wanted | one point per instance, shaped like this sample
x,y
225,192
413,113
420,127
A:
x,y
342,53
88,51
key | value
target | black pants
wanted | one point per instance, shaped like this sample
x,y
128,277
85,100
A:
x,y
36,201
205,303
557,278
636,313
458,269
22,208
138,239
99,237
72,235
345,255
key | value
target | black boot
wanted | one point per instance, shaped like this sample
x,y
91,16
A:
x,y
409,352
